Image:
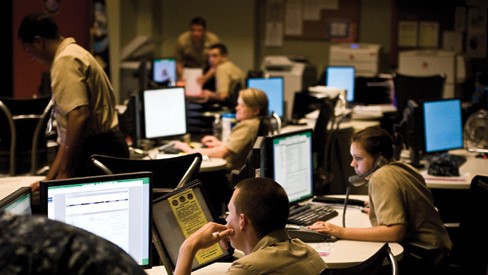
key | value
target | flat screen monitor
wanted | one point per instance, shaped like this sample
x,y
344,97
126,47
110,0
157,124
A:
x,y
19,202
164,112
342,77
164,71
115,207
176,216
443,128
289,162
274,88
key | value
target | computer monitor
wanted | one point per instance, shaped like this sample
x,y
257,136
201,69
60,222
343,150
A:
x,y
342,77
274,88
116,207
164,71
164,112
443,127
176,216
255,162
289,162
19,202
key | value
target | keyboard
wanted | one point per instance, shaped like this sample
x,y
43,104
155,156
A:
x,y
308,214
169,148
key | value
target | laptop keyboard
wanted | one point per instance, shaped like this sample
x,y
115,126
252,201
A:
x,y
308,214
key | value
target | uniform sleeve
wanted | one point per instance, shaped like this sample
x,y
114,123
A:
x,y
386,197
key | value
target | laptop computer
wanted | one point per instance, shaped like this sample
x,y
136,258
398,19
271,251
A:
x,y
289,162
176,216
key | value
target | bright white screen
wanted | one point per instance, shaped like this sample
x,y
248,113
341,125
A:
x,y
341,77
274,89
164,112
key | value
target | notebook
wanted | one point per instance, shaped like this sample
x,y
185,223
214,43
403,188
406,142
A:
x,y
176,216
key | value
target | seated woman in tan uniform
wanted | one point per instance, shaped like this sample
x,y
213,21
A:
x,y
252,106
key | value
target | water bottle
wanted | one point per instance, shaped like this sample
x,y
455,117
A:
x,y
228,121
217,126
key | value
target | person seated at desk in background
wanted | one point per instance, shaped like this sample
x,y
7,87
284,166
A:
x,y
401,207
191,49
252,108
225,72
258,213
84,102
32,244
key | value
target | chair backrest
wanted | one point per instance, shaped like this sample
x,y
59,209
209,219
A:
x,y
234,88
472,231
26,121
168,173
373,265
417,88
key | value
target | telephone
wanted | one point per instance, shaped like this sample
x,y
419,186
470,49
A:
x,y
359,180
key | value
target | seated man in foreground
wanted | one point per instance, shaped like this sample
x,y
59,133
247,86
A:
x,y
258,212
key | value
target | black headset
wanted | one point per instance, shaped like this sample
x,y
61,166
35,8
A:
x,y
360,180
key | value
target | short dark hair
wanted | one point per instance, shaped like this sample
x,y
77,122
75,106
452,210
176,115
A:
x,y
37,24
222,48
375,141
265,202
200,21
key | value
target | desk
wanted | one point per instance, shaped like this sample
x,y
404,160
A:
x,y
468,170
345,253
9,184
208,164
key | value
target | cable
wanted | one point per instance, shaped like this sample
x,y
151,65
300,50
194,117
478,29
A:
x,y
345,206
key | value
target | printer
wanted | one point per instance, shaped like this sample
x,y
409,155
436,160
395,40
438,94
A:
x,y
363,56
297,72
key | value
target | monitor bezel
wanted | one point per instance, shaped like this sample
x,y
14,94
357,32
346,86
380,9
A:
x,y
144,116
353,81
175,72
45,184
270,170
14,196
424,130
283,107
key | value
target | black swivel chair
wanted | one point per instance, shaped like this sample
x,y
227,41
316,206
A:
x,y
374,265
469,254
168,173
23,140
417,88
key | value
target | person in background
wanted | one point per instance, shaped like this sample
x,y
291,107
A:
x,y
191,49
83,97
251,110
34,244
225,72
401,207
258,213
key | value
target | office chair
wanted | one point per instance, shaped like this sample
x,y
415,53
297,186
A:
x,y
168,173
469,254
235,87
25,141
371,266
417,88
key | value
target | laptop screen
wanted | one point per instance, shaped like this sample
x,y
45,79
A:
x,y
115,207
341,77
289,162
176,216
18,202
274,89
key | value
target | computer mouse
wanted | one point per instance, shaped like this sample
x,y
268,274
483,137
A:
x,y
310,236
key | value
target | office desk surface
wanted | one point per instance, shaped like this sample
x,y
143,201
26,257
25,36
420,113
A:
x,y
468,170
208,164
344,253
9,184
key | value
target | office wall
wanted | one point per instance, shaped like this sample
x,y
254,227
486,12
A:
x,y
73,20
232,20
